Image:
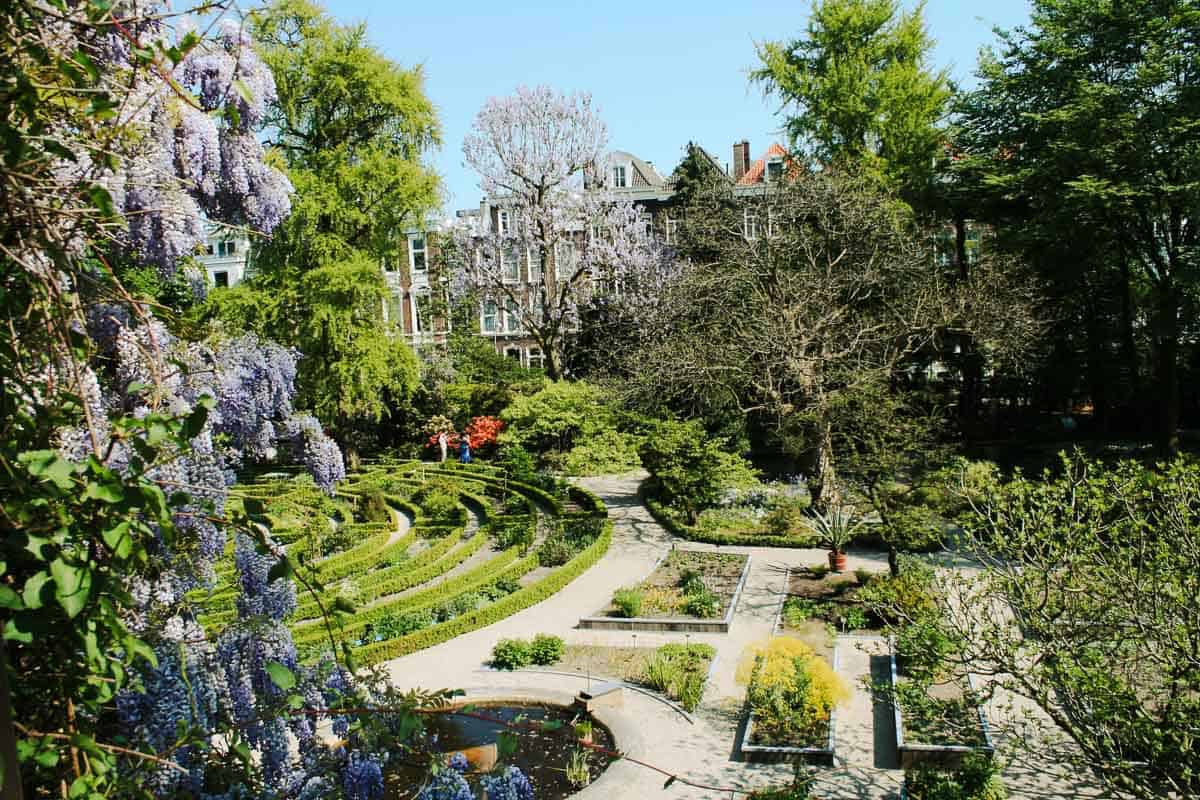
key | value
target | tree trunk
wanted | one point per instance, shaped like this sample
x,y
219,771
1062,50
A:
x,y
553,362
1128,342
971,362
823,485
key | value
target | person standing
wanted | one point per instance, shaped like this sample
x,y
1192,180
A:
x,y
464,449
443,441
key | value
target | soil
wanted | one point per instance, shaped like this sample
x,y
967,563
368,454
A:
x,y
541,755
833,593
720,572
818,738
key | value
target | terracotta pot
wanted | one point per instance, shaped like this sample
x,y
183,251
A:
x,y
837,561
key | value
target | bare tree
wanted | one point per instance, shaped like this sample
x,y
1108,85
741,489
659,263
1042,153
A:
x,y
802,296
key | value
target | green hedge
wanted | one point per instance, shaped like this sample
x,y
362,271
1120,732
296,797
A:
x,y
504,607
503,565
663,516
592,505
442,557
554,504
337,567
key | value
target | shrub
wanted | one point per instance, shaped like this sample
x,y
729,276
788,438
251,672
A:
x,y
689,690
511,654
977,778
374,507
798,610
555,551
607,452
512,531
691,582
518,462
787,518
546,649
661,672
791,690
628,602
704,604
690,469
439,502
556,417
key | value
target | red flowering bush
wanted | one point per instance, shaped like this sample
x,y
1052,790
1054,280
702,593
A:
x,y
483,432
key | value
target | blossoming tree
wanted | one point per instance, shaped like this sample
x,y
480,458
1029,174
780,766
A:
x,y
541,162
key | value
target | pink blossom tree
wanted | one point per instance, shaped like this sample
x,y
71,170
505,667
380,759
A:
x,y
559,233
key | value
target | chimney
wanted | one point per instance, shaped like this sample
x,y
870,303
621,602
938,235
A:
x,y
741,159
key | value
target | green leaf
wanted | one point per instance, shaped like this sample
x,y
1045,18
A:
x,y
193,424
551,725
243,91
280,675
49,466
110,492
72,585
10,599
343,604
32,593
253,507
118,540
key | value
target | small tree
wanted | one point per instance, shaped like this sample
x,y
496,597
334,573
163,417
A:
x,y
690,468
540,158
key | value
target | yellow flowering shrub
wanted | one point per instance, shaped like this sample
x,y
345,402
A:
x,y
791,689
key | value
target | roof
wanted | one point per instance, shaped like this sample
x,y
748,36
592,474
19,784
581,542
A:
x,y
644,173
758,168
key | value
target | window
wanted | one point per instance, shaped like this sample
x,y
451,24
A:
x,y
221,279
536,261
564,260
503,222
514,353
416,253
749,225
535,358
672,230
208,249
488,323
510,265
774,170
512,318
226,248
772,224
619,177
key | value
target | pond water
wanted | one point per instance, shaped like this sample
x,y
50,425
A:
x,y
542,755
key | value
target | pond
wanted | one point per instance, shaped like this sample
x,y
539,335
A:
x,y
542,755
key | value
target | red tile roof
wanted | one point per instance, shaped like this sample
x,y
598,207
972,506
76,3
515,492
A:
x,y
755,173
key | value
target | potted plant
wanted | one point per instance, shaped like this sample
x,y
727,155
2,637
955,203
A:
x,y
836,526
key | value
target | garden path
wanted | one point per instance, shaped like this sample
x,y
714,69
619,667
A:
x,y
704,749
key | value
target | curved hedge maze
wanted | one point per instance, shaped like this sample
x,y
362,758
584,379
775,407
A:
x,y
420,552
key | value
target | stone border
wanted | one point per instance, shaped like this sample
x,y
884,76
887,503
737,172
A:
x,y
814,755
935,755
653,695
661,624
777,628
620,774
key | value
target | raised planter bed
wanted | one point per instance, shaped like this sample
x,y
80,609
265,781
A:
x,y
665,575
945,753
822,754
819,598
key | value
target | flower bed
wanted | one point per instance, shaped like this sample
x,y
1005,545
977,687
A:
x,y
938,722
817,597
792,695
678,671
688,590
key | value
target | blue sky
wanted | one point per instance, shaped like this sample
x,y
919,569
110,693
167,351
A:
x,y
663,72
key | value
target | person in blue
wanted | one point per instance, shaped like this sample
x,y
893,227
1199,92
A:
x,y
464,450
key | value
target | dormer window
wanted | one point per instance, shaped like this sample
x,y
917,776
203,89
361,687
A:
x,y
774,170
619,179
